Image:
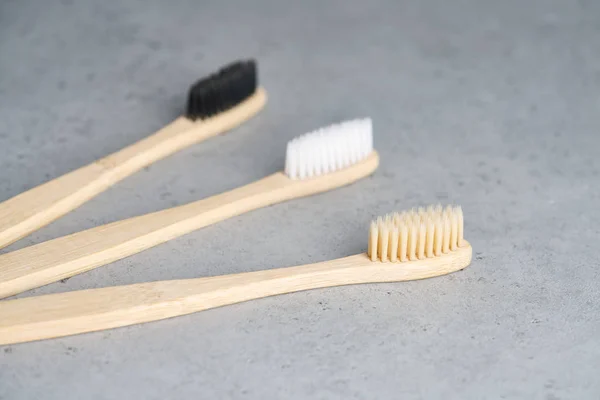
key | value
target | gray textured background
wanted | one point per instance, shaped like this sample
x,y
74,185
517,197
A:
x,y
490,104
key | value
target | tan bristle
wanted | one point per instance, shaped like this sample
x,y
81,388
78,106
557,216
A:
x,y
383,241
387,220
403,240
446,239
421,241
413,214
453,232
393,246
416,234
430,236
459,215
373,236
412,241
439,236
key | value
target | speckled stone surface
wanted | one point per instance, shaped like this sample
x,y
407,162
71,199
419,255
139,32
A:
x,y
491,104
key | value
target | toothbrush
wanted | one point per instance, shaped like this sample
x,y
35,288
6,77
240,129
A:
x,y
216,104
315,162
413,245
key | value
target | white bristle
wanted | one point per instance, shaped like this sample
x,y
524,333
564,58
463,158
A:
x,y
416,234
329,149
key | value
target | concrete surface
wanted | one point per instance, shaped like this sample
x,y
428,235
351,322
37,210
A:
x,y
491,104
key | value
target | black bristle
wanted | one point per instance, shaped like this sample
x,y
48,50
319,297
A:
x,y
222,90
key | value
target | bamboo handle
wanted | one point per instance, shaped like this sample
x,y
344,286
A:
x,y
41,205
70,255
63,314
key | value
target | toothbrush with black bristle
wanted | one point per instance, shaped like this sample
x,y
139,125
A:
x,y
316,162
216,104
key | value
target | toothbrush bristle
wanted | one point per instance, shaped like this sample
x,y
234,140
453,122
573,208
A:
x,y
329,149
416,234
222,90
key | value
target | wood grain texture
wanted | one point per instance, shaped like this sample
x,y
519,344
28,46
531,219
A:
x,y
63,314
41,205
60,258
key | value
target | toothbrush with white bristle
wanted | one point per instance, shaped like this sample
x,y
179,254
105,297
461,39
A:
x,y
308,171
401,247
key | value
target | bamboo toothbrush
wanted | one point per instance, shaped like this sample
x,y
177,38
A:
x,y
316,162
216,104
402,247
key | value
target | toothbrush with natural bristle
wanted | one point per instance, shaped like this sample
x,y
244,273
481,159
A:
x,y
423,244
316,162
215,105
